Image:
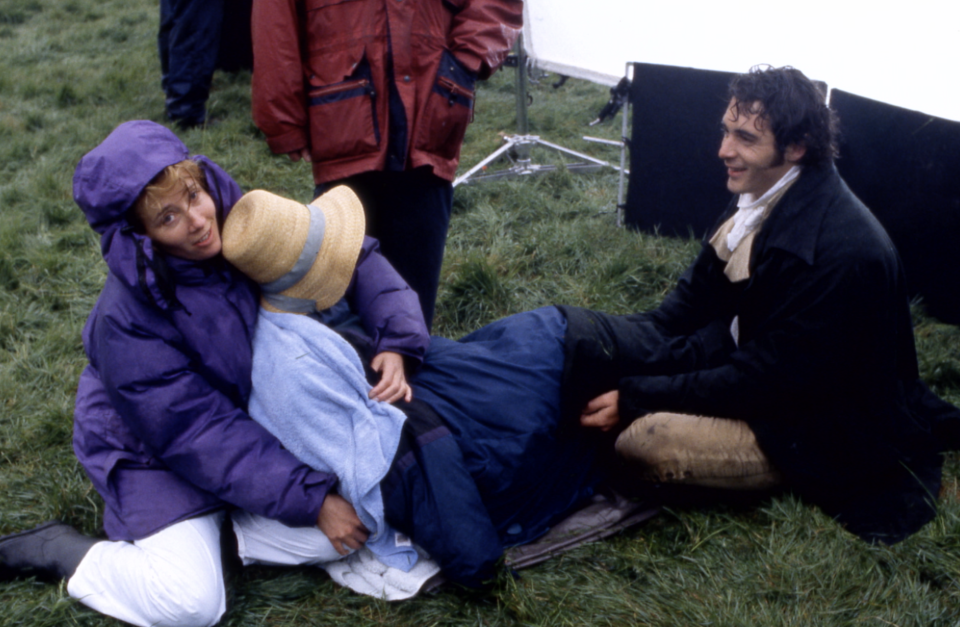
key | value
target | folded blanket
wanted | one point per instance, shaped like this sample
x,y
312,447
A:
x,y
605,515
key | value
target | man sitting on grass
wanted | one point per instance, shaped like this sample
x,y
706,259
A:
x,y
785,355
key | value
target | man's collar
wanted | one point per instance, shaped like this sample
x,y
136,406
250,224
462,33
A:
x,y
795,226
747,201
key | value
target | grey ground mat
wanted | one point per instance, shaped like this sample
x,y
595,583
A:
x,y
605,515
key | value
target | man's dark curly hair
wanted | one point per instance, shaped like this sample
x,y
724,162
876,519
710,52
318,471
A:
x,y
793,106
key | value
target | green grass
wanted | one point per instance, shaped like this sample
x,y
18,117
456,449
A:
x,y
71,70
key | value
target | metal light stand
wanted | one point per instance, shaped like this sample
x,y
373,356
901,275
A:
x,y
516,148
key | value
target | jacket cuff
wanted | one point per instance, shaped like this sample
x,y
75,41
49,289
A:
x,y
629,405
473,64
411,345
291,141
318,492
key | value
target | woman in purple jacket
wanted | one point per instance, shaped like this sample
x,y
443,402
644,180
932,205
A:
x,y
161,424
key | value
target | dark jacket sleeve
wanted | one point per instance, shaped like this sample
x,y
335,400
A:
x,y
388,308
200,433
800,347
278,92
601,349
483,32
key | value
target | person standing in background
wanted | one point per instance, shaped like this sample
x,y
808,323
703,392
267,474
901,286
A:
x,y
377,95
196,38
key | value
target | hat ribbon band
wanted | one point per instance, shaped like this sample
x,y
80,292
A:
x,y
291,304
311,248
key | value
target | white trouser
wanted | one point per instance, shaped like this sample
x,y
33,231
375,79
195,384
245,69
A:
x,y
265,541
175,577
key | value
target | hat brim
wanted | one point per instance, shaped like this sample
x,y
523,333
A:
x,y
329,277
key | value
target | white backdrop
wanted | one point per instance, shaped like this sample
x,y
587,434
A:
x,y
906,53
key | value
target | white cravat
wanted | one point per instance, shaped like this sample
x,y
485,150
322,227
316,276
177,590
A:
x,y
750,211
748,217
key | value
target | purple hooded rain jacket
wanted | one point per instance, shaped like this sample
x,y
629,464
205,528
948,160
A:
x,y
160,424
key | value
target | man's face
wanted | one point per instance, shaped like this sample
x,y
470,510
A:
x,y
750,152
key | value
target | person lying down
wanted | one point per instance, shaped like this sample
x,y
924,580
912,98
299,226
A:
x,y
469,458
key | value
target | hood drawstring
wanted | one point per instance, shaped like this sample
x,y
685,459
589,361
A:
x,y
165,283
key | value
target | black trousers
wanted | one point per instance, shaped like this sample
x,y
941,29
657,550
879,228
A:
x,y
409,212
188,41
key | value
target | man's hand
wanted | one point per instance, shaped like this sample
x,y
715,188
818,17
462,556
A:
x,y
297,155
602,412
340,523
393,382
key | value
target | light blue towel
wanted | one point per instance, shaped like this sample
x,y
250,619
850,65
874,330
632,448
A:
x,y
309,390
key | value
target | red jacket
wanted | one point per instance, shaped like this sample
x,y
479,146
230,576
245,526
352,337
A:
x,y
320,76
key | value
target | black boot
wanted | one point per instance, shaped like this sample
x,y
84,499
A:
x,y
52,550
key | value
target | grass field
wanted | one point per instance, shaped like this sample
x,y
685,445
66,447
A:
x,y
71,70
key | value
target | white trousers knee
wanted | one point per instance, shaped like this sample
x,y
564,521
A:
x,y
175,577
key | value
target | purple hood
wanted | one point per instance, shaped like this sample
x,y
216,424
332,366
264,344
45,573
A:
x,y
110,178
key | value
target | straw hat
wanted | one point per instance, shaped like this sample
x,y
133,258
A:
x,y
303,256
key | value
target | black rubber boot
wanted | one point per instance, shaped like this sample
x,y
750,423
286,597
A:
x,y
52,550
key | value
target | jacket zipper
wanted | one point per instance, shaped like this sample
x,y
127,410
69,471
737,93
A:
x,y
329,90
454,89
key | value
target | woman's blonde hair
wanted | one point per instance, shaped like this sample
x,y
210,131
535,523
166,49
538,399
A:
x,y
172,177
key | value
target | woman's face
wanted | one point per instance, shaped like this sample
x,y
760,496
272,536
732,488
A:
x,y
184,223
